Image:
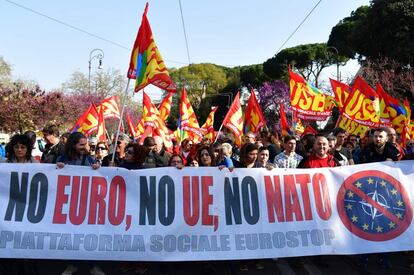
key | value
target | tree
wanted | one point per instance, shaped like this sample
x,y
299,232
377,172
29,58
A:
x,y
5,73
270,95
103,83
253,75
308,59
396,78
382,29
200,80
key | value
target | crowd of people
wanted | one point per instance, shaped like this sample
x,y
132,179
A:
x,y
262,150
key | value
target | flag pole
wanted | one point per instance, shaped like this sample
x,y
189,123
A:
x,y
218,133
120,120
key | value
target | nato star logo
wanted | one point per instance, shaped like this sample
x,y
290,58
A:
x,y
374,206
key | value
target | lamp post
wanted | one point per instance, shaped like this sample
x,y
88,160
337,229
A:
x,y
337,59
94,54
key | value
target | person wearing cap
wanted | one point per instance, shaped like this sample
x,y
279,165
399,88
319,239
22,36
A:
x,y
92,142
122,142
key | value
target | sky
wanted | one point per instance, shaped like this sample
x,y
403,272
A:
x,y
224,32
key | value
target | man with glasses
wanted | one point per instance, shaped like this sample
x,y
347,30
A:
x,y
123,141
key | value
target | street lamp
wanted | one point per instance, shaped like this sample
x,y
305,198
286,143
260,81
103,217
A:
x,y
337,59
94,54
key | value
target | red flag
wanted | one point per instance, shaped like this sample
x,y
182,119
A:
x,y
283,121
147,65
101,135
234,120
132,130
87,122
341,92
189,127
253,116
309,130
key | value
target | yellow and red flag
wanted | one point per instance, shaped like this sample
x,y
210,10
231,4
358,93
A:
x,y
146,65
153,124
165,106
101,133
307,101
110,107
188,123
390,107
405,134
361,110
140,127
253,116
234,120
132,130
341,92
87,122
208,126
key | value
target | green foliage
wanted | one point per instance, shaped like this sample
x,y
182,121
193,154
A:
x,y
253,75
383,29
309,59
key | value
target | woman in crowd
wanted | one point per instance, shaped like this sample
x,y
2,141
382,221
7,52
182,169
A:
x,y
134,156
204,157
177,161
248,155
19,150
101,151
263,159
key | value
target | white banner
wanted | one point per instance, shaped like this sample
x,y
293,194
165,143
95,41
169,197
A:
x,y
166,214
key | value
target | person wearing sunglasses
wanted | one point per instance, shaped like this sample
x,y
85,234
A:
x,y
122,142
134,156
101,151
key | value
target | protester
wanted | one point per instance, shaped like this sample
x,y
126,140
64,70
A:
x,y
319,157
64,137
340,135
54,147
75,153
92,142
380,149
134,157
176,161
154,159
288,158
263,159
101,151
159,149
342,159
19,150
250,137
248,155
122,142
204,157
393,138
266,140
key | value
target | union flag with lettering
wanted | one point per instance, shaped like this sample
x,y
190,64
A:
x,y
307,101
